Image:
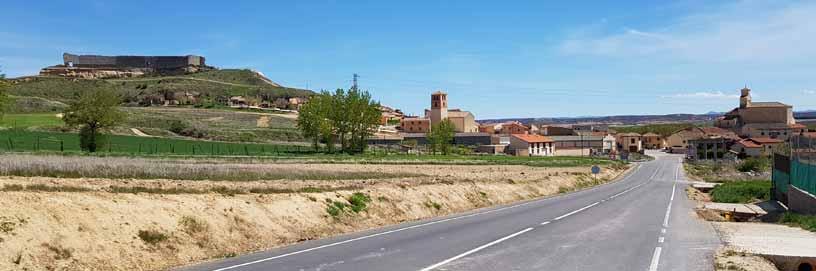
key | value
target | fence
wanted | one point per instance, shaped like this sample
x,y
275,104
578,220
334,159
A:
x,y
803,163
25,141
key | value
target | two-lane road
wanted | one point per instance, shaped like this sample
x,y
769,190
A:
x,y
642,222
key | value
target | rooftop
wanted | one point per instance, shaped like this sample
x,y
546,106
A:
x,y
768,104
533,138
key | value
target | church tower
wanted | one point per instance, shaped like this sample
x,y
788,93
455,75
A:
x,y
439,107
745,97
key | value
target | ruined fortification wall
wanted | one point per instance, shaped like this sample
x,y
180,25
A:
x,y
133,62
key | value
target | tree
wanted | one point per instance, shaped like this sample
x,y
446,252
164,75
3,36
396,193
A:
x,y
94,111
5,100
441,135
345,117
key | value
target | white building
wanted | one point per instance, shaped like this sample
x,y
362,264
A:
x,y
531,145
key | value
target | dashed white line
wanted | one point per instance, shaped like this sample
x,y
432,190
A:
x,y
432,267
545,222
576,211
655,259
661,239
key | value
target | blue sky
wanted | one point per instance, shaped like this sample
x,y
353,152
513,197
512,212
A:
x,y
494,58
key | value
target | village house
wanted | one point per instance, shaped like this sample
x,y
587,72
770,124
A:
x,y
415,125
760,119
610,145
531,145
757,147
631,142
577,145
550,130
678,141
514,128
708,148
653,141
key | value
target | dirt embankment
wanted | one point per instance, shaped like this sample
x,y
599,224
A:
x,y
101,230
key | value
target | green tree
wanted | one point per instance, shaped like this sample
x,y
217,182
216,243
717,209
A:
x,y
5,100
345,117
94,111
441,135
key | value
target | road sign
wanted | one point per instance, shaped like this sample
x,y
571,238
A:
x,y
596,169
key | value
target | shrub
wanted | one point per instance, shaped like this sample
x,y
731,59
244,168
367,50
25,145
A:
x,y
152,237
741,192
60,253
91,140
191,225
359,202
755,165
335,208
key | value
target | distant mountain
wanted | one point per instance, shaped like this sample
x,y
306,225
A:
x,y
634,119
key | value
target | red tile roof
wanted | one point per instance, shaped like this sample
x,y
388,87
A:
x,y
765,140
533,138
748,143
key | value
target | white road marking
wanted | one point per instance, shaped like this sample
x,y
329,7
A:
x,y
423,225
655,259
366,237
576,211
545,222
662,231
432,267
661,239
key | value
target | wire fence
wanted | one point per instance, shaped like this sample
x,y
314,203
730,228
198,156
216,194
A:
x,y
59,142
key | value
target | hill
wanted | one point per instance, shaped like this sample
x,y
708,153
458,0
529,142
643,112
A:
x,y
205,88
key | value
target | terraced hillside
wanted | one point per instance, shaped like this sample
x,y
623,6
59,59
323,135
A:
x,y
198,110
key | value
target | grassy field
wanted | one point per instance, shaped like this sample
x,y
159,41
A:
x,y
30,120
214,124
173,169
19,140
742,192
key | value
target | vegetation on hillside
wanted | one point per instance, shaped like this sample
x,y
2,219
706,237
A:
x,y
440,137
94,111
344,117
214,87
663,130
4,97
742,192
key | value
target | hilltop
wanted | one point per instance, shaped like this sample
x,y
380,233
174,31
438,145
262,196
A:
x,y
203,88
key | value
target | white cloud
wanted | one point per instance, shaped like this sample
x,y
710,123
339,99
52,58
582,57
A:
x,y
704,95
746,31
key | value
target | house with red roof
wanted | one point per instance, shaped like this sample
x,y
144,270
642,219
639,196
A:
x,y
757,146
531,145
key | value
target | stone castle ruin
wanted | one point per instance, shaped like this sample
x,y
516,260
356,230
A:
x,y
99,67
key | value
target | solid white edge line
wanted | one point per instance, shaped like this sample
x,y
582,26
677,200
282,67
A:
x,y
432,267
655,259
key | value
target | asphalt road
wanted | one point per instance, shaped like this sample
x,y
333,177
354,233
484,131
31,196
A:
x,y
642,222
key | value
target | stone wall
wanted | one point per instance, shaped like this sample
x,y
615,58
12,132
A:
x,y
801,201
133,62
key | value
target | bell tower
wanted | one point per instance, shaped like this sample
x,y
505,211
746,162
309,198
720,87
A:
x,y
439,107
745,97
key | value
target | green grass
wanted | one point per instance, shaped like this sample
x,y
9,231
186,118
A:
x,y
30,120
235,76
17,140
807,222
742,192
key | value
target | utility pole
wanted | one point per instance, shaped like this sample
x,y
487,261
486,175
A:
x,y
354,82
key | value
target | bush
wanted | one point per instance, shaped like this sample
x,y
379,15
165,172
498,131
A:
x,y
192,226
359,202
91,141
152,237
807,222
755,165
742,192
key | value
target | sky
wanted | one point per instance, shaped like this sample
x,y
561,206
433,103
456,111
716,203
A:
x,y
497,59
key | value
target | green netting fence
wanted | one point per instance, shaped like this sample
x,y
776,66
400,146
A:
x,y
803,175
